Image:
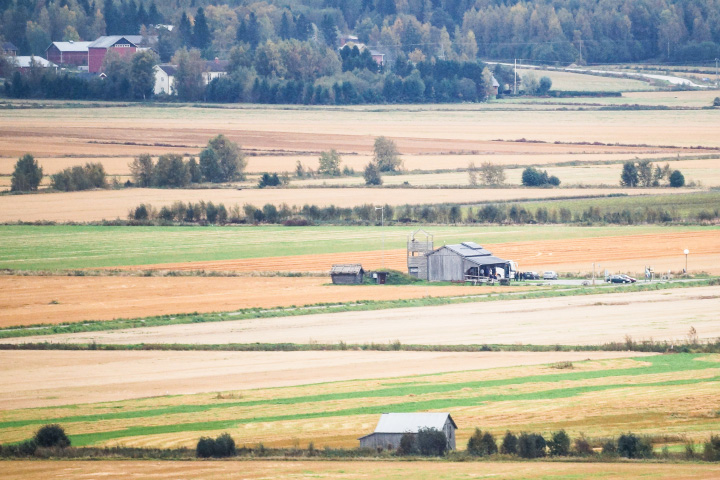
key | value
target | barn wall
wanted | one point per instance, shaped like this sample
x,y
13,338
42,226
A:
x,y
346,278
449,433
445,266
386,441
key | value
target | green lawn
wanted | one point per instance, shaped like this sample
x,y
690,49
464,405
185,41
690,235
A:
x,y
72,247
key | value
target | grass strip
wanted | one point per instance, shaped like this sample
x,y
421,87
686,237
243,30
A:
x,y
657,365
368,305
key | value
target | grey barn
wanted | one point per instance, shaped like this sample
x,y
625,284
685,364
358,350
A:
x,y
347,274
467,260
392,426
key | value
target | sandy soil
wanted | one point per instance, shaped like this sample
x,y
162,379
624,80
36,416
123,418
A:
x,y
31,300
577,320
70,377
111,204
301,470
628,253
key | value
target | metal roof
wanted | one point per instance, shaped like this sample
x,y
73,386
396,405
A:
x,y
487,260
109,41
26,62
350,268
469,249
170,70
71,46
411,422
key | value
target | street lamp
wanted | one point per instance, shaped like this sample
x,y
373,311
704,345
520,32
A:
x,y
382,224
686,251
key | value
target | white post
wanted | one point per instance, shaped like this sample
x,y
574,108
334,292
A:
x,y
515,84
686,252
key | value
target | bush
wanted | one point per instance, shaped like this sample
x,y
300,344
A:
x,y
609,448
711,453
716,102
372,175
268,180
222,446
27,174
408,445
582,447
559,444
51,436
630,446
481,444
677,179
509,444
72,179
431,441
532,177
386,156
531,445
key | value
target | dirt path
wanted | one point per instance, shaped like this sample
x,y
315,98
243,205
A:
x,y
577,320
54,378
358,470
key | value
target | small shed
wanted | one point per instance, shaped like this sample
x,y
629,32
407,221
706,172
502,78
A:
x,y
392,426
347,274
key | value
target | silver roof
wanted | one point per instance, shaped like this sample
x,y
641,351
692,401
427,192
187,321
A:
x,y
109,41
352,268
72,46
469,249
411,422
26,62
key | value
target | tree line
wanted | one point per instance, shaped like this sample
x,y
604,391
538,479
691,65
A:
x,y
28,174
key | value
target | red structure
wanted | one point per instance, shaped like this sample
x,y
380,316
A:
x,y
99,48
68,53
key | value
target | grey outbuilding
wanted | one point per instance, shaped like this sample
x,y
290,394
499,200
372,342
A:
x,y
347,274
463,262
392,426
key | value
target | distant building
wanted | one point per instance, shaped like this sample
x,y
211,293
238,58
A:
x,y
68,53
165,79
351,41
392,426
100,47
214,69
464,261
347,274
8,49
23,64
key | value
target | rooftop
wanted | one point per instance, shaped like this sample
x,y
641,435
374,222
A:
x,y
411,422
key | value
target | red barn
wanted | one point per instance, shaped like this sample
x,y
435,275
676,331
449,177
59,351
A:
x,y
68,53
99,48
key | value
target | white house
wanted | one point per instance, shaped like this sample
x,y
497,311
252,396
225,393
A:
x,y
165,79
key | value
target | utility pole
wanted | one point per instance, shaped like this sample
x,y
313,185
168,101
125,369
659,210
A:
x,y
382,224
515,84
717,82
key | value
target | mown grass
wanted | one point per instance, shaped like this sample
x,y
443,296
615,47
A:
x,y
56,247
491,390
368,305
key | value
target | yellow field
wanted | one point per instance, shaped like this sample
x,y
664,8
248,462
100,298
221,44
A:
x,y
577,81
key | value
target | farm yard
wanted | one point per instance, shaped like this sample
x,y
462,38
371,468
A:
x,y
200,291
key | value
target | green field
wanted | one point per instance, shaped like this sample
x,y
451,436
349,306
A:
x,y
599,399
70,247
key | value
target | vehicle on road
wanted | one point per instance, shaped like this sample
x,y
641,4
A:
x,y
531,276
620,278
550,275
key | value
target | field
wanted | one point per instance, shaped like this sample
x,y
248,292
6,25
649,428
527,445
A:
x,y
575,320
302,470
599,398
581,82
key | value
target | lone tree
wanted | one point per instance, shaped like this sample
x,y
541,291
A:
x,y
491,174
372,174
677,179
387,158
329,163
27,174
222,160
629,175
52,436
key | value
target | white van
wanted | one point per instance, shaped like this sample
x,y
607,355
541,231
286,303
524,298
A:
x,y
550,275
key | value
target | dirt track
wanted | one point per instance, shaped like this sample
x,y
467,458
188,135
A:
x,y
62,378
577,320
31,300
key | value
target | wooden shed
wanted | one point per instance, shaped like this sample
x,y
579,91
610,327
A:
x,y
392,426
347,274
467,260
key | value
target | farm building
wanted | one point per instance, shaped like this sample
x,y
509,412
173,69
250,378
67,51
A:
x,y
465,261
347,274
392,426
165,79
68,53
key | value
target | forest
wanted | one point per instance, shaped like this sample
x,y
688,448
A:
x,y
288,51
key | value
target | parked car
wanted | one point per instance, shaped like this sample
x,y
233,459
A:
x,y
550,275
531,276
620,278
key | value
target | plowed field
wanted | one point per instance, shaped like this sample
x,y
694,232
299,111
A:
x,y
629,253
378,470
31,300
100,205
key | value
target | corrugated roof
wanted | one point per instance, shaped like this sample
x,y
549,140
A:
x,y
72,46
109,41
469,249
25,62
350,268
411,422
486,260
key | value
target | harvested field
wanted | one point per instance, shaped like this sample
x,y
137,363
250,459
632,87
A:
x,y
57,378
577,320
578,81
628,253
42,299
263,470
100,205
